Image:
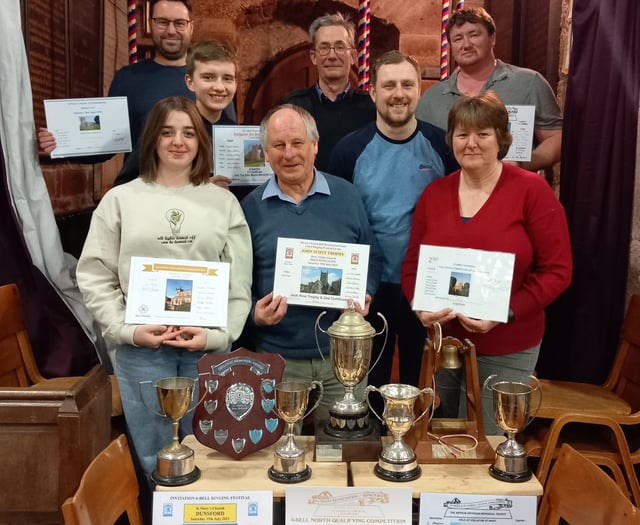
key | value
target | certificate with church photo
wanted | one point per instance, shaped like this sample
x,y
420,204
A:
x,y
177,292
321,273
88,126
238,154
476,283
521,126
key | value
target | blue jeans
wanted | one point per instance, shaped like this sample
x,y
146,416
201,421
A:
x,y
453,392
306,370
150,431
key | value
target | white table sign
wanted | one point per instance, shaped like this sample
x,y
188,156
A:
x,y
239,508
177,292
454,509
348,505
521,125
88,126
476,283
237,154
321,273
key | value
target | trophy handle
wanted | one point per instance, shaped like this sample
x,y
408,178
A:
x,y
537,387
385,329
204,391
312,385
142,385
315,333
485,385
367,391
426,390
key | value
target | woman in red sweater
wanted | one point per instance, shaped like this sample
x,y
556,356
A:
x,y
494,206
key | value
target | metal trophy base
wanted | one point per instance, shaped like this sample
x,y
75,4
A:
x,y
289,477
515,477
397,471
347,446
175,481
348,427
175,466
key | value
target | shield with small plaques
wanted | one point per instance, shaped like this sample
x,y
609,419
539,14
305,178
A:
x,y
237,390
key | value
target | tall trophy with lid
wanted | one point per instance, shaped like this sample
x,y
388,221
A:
x,y
349,434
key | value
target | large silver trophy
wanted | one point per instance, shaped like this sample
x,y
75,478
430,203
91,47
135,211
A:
x,y
397,461
175,462
512,409
351,341
292,398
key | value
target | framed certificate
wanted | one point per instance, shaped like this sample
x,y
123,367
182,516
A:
x,y
177,292
521,126
321,273
476,283
237,154
88,126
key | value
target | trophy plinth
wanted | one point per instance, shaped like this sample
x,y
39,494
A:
x,y
349,418
397,461
175,462
175,466
351,342
289,462
512,407
329,447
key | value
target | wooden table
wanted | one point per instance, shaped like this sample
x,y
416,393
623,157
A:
x,y
450,478
219,472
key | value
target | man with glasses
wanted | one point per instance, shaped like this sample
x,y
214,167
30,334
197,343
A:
x,y
337,107
146,82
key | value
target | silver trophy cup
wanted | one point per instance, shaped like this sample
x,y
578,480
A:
x,y
397,461
512,410
292,397
351,342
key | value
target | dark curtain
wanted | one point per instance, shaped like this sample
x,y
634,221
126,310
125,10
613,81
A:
x,y
597,182
59,343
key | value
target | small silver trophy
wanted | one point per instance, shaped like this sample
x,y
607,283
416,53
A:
x,y
397,461
292,397
512,408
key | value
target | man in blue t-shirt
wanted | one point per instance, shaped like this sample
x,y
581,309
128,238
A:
x,y
391,161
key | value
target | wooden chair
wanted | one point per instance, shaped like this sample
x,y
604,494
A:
x,y
593,418
18,366
579,492
108,489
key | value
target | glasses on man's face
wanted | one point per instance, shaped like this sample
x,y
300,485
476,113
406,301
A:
x,y
340,48
180,24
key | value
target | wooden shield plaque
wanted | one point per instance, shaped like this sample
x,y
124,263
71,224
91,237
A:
x,y
236,413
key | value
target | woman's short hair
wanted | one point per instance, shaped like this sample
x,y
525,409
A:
x,y
482,111
202,164
307,118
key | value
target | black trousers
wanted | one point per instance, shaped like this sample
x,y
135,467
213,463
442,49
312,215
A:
x,y
404,326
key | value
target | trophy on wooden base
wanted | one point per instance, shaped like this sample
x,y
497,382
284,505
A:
x,y
351,342
451,439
